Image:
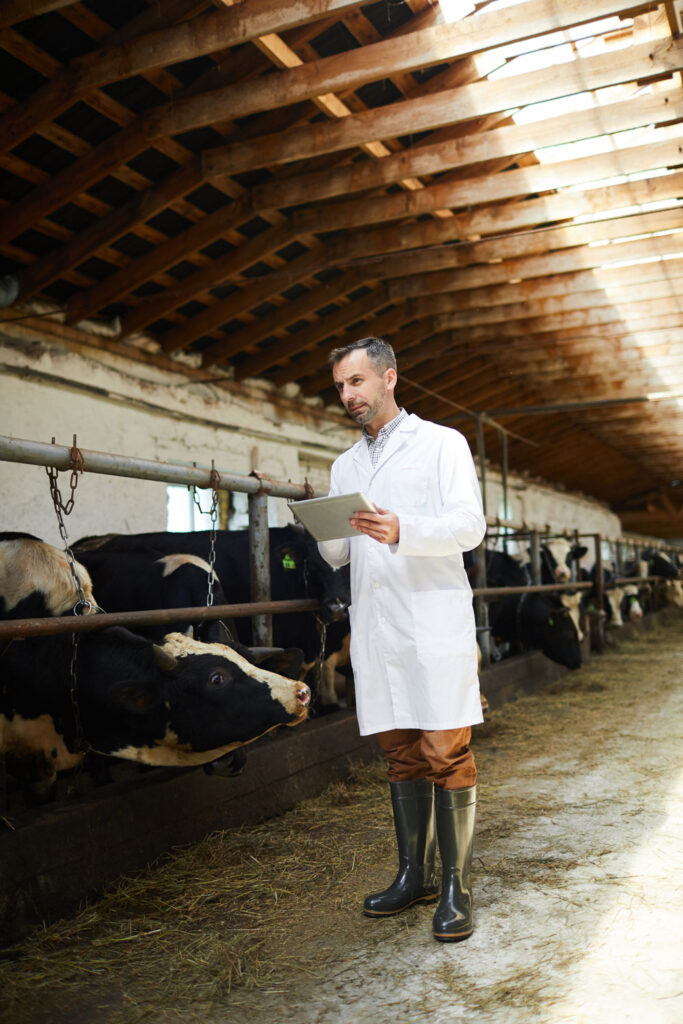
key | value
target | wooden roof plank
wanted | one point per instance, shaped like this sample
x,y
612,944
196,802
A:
x,y
472,148
664,150
410,51
198,36
448,107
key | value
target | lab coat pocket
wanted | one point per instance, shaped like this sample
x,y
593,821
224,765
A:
x,y
443,621
411,488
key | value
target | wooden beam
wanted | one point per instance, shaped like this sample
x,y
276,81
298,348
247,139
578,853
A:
x,y
112,225
560,262
351,69
450,307
162,257
313,373
367,243
198,36
126,144
448,107
514,246
600,281
665,150
331,332
473,148
283,349
12,11
251,295
62,90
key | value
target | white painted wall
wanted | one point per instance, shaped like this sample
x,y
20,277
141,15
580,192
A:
x,y
138,410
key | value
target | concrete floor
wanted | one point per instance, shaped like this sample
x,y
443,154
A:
x,y
579,897
578,888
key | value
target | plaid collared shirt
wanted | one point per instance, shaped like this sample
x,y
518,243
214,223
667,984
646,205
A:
x,y
376,445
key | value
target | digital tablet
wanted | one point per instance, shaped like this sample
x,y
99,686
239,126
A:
x,y
328,518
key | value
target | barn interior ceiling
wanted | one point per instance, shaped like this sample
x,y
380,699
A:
x,y
235,187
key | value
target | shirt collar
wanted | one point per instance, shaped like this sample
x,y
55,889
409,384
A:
x,y
387,429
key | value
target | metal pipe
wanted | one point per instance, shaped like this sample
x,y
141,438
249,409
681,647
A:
x,y
38,453
155,617
481,456
259,566
540,589
535,547
481,608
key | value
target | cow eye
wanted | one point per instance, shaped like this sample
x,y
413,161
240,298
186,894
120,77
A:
x,y
551,621
218,678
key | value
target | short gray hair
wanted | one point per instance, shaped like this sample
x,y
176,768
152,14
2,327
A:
x,y
380,353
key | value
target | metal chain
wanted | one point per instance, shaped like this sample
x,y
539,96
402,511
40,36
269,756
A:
x,y
320,660
61,510
214,479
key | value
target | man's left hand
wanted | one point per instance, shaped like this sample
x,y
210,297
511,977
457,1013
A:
x,y
381,525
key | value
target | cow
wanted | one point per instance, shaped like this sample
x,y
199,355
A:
x,y
180,703
666,591
140,580
531,620
36,705
297,570
556,558
36,580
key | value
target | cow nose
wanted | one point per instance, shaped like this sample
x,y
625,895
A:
x,y
303,695
335,609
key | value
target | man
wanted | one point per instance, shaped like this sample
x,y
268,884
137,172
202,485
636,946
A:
x,y
413,638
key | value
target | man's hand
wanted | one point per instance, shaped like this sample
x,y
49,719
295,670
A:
x,y
381,525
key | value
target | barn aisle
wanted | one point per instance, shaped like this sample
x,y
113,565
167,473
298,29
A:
x,y
578,914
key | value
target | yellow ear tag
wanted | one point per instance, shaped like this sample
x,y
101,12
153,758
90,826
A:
x,y
288,562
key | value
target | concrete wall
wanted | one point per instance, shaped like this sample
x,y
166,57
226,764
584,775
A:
x,y
139,410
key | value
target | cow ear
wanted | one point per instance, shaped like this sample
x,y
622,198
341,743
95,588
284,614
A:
x,y
135,697
285,663
165,661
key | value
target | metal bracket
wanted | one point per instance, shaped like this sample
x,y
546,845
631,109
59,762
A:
x,y
265,481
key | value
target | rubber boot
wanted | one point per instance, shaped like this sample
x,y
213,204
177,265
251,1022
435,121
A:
x,y
413,806
455,813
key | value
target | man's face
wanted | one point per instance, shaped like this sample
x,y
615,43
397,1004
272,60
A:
x,y
364,393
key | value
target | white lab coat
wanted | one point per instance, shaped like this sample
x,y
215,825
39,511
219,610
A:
x,y
413,637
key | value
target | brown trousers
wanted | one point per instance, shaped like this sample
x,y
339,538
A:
x,y
441,755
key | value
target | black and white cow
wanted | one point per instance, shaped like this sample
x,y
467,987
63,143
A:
x,y
557,557
179,703
35,579
296,571
531,620
39,731
140,580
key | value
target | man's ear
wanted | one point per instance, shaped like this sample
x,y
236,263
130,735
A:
x,y
391,377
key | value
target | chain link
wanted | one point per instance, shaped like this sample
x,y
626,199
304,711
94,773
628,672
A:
x,y
214,479
82,605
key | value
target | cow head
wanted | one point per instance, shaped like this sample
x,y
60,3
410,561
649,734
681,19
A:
x,y
553,629
330,587
191,703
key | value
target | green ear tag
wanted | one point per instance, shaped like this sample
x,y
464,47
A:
x,y
288,562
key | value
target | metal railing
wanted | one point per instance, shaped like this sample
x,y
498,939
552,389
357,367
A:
x,y
259,486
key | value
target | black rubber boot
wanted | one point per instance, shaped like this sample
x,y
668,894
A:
x,y
455,813
413,806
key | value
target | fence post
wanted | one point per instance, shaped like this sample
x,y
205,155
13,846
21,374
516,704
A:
x,y
599,590
535,557
481,608
618,560
259,560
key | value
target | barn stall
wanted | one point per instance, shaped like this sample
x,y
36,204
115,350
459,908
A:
x,y
200,200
